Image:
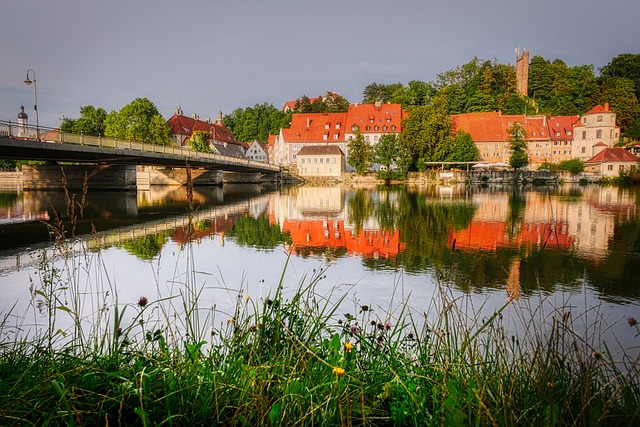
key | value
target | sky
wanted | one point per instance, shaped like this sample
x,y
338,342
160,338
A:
x,y
209,56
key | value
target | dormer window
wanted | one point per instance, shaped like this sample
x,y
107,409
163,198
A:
x,y
326,125
384,127
393,127
354,128
338,125
375,127
368,128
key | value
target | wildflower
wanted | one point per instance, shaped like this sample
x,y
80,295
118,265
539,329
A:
x,y
229,320
596,355
373,323
348,346
387,325
247,298
632,321
364,308
354,329
119,331
338,371
142,301
380,326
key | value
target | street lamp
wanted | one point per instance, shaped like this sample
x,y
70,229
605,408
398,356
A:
x,y
28,82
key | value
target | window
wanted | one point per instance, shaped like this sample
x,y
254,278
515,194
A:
x,y
599,133
584,134
335,136
321,160
315,160
368,128
333,160
376,128
599,118
393,127
621,167
610,167
384,127
354,127
584,150
302,160
325,136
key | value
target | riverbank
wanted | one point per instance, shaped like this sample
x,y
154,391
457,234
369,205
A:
x,y
461,177
299,360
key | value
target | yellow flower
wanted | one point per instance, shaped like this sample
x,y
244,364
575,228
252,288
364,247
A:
x,y
338,371
348,346
229,320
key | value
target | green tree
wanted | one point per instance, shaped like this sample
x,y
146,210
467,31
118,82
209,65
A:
x,y
619,92
359,153
426,131
138,121
386,150
91,122
199,141
415,93
626,65
518,146
379,92
257,122
464,149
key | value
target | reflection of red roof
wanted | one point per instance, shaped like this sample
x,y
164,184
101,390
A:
x,y
491,235
479,235
318,233
214,226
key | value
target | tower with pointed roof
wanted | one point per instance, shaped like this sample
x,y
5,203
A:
x,y
23,119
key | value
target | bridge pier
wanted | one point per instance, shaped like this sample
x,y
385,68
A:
x,y
152,175
99,177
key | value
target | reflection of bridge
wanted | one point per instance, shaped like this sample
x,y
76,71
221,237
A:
x,y
105,239
18,142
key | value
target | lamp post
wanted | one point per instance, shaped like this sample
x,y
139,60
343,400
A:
x,y
28,82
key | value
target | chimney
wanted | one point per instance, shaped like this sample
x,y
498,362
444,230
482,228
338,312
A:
x,y
194,116
178,111
308,121
378,104
219,118
606,106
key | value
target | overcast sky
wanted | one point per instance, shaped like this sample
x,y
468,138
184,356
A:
x,y
207,56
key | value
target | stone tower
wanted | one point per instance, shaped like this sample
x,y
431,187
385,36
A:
x,y
522,71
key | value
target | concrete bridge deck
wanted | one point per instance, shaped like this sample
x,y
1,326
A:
x,y
19,143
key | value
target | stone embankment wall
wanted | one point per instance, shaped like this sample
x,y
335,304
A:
x,y
11,180
447,177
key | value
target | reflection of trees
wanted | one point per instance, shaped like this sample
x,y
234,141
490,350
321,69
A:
x,y
147,247
517,207
329,253
8,200
360,209
425,226
257,232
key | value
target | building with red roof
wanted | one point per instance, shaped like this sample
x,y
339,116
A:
x,y
595,126
312,129
183,127
610,161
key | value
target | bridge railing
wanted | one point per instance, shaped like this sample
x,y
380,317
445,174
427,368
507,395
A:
x,y
44,134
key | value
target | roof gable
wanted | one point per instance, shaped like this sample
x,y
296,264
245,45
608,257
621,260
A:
x,y
613,154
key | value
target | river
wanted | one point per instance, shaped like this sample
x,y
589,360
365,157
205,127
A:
x,y
567,248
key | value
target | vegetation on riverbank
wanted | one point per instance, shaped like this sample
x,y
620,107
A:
x,y
300,359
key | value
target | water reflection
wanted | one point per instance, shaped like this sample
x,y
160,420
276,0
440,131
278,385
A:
x,y
511,239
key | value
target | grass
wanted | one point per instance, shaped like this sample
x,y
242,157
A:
x,y
295,359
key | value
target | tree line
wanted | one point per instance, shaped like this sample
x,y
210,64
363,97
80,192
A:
x,y
477,86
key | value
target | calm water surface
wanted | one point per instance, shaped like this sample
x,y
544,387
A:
x,y
573,248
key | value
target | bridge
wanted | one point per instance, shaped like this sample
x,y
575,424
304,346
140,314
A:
x,y
182,227
21,142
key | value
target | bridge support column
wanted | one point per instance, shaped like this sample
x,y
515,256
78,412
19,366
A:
x,y
99,177
242,177
178,176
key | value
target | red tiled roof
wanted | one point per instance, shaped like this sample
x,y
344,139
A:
x,y
613,154
562,125
182,125
316,127
372,115
597,109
